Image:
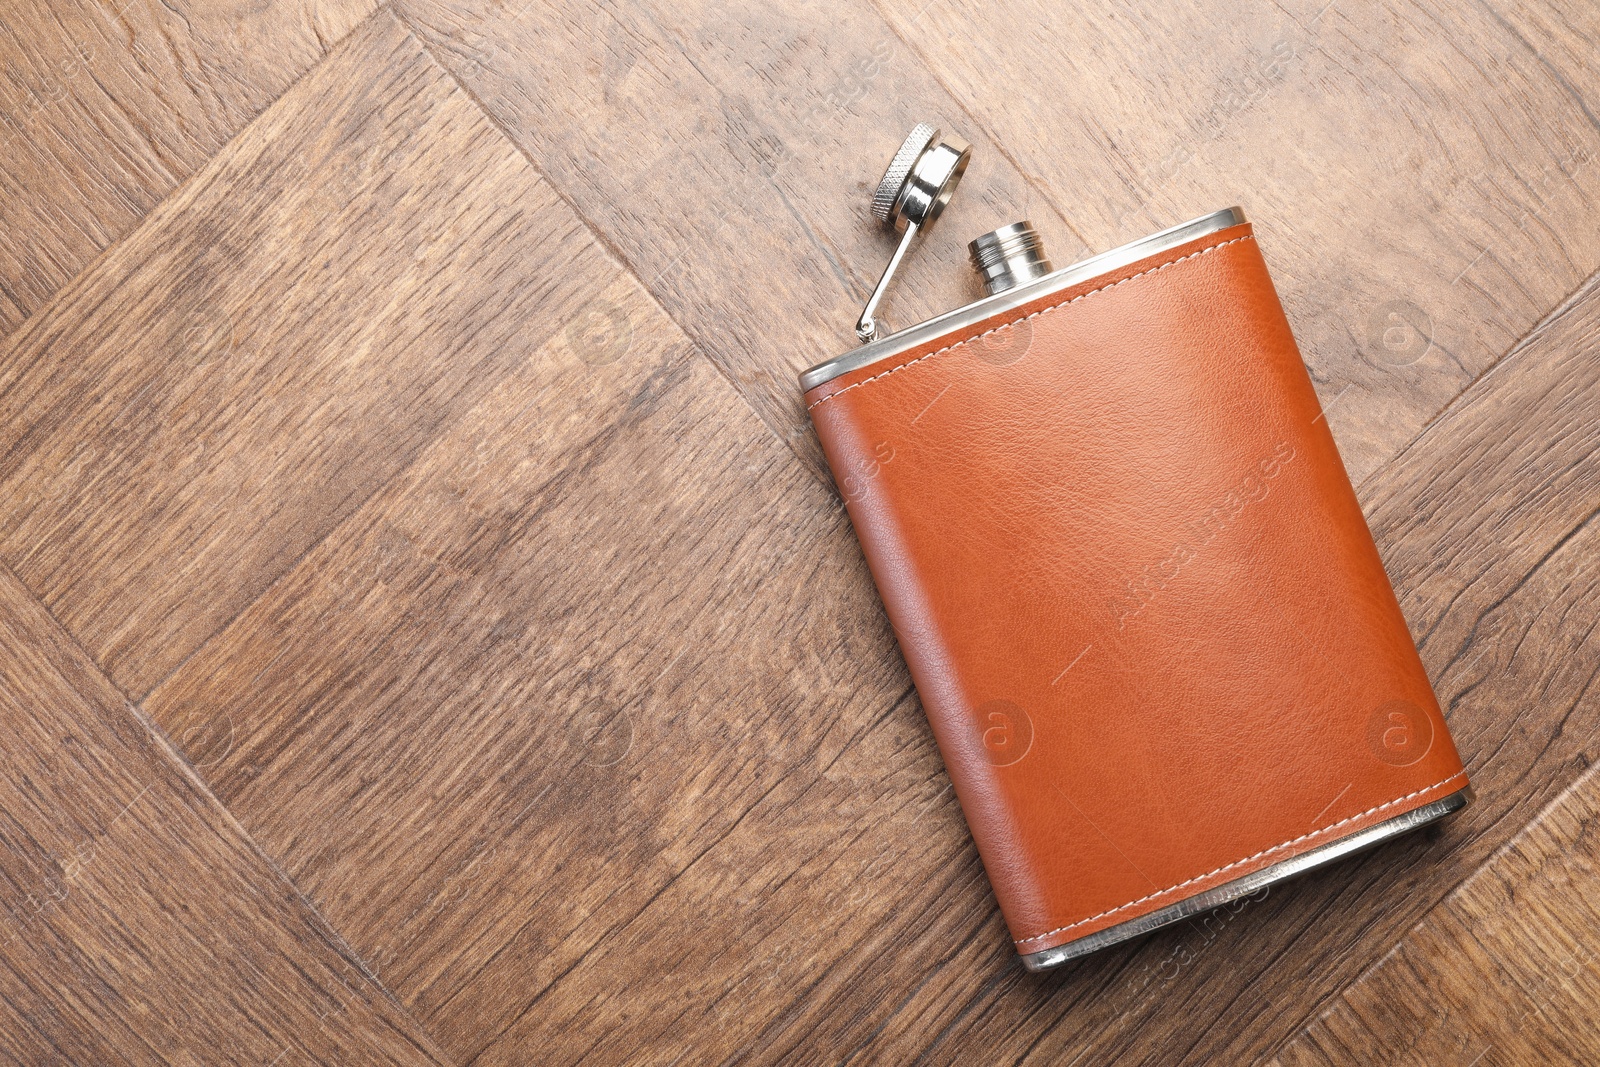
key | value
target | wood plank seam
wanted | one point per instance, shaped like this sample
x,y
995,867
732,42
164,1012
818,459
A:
x,y
1561,307
185,767
387,9
1573,303
600,237
94,261
1377,474
1317,1026
749,160
157,743
935,71
169,213
1345,334
84,59
164,214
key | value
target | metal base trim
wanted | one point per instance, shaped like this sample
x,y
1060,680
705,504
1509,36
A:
x,y
1250,883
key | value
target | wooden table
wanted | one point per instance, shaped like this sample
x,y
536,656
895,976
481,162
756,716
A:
x,y
428,633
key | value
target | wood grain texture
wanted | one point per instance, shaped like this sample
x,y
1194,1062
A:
x,y
276,341
728,156
1505,972
623,648
107,105
139,924
774,871
430,468
1422,173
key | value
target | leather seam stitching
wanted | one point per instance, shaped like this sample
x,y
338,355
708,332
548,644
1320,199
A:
x,y
1202,877
1032,315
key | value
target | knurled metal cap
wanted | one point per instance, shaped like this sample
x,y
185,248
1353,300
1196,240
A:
x,y
894,179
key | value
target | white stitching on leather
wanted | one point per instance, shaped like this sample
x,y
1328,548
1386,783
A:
x,y
1202,877
1025,318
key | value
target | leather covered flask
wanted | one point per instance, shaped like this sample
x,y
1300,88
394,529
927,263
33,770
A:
x,y
1127,570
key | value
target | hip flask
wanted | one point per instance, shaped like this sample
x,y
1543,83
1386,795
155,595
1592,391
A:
x,y
1145,616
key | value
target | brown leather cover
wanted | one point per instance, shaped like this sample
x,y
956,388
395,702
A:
x,y
1139,600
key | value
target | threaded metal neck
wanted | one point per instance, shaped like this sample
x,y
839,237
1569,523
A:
x,y
1009,256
